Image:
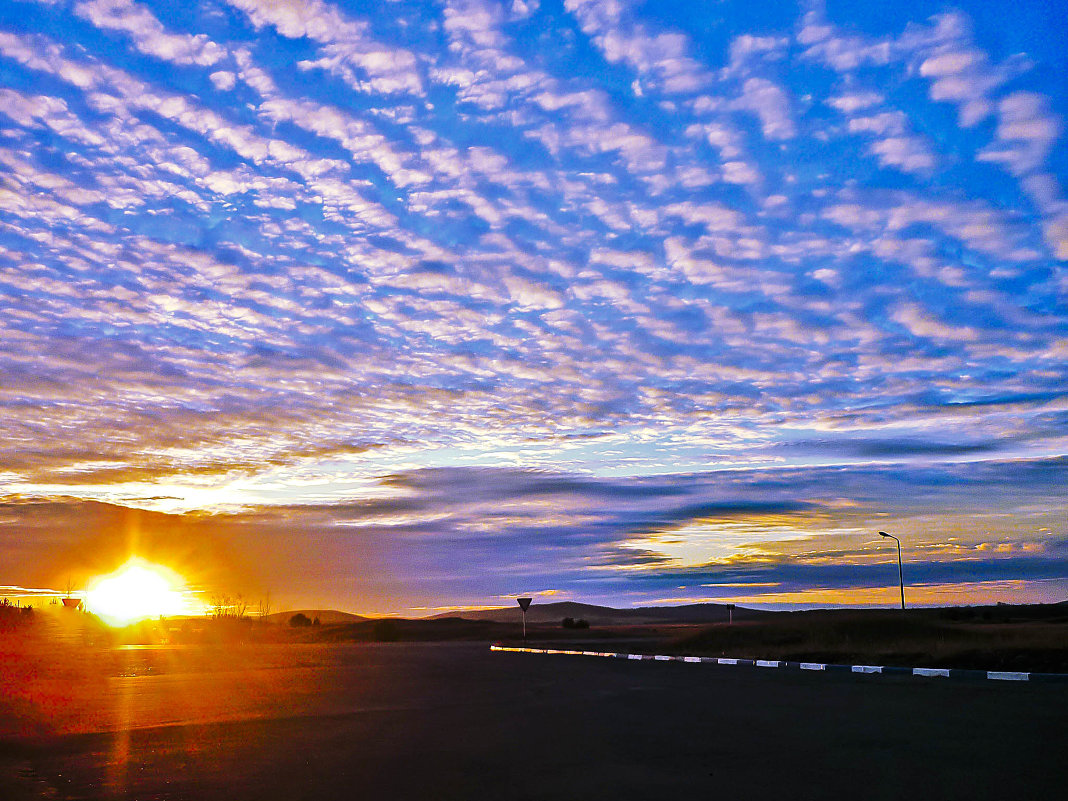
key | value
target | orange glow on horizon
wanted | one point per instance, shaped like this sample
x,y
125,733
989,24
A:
x,y
971,593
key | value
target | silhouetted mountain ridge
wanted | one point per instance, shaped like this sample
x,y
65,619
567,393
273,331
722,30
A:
x,y
326,616
607,615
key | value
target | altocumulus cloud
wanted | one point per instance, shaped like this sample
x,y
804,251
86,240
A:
x,y
473,297
476,534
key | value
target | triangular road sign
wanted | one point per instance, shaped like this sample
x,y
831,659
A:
x,y
524,603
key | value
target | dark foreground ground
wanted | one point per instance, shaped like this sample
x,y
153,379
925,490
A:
x,y
455,721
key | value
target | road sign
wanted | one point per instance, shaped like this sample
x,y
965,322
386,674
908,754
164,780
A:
x,y
524,604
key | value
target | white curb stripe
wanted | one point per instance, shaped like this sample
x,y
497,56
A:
x,y
943,672
1002,675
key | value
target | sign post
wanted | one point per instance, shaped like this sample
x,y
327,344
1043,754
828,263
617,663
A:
x,y
524,604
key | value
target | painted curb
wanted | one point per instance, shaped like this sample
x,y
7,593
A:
x,y
889,670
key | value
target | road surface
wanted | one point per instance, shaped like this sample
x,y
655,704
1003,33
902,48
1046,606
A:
x,y
455,721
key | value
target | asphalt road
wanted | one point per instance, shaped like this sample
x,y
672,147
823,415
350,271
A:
x,y
459,722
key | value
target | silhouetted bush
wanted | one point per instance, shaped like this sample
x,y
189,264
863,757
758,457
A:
x,y
299,620
12,615
571,623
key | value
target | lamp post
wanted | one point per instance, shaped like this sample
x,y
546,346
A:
x,y
900,579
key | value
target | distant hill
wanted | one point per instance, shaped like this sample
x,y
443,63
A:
x,y
399,629
326,616
606,615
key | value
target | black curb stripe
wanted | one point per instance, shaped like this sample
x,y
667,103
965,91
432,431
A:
x,y
1062,677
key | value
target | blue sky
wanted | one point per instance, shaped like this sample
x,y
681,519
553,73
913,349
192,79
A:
x,y
413,305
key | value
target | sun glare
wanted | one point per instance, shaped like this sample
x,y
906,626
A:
x,y
137,591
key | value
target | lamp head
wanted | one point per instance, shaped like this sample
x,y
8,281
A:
x,y
883,534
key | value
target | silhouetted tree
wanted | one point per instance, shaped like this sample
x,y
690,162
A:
x,y
229,606
299,620
220,605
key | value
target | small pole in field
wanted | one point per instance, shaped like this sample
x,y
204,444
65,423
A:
x,y
524,604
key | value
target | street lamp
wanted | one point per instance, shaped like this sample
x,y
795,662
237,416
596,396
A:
x,y
900,580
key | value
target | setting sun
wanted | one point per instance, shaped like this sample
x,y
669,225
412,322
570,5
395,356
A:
x,y
137,591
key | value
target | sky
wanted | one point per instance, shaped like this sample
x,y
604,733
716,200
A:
x,y
402,307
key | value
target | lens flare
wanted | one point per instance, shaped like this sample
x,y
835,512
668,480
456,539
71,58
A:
x,y
137,591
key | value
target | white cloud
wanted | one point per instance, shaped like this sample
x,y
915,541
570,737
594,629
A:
x,y
745,47
223,81
1026,132
897,146
1056,233
907,153
922,323
661,59
770,104
740,172
348,50
854,102
950,63
148,33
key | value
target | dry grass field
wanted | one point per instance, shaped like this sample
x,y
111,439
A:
x,y
986,638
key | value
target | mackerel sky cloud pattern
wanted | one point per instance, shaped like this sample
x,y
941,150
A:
x,y
629,301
